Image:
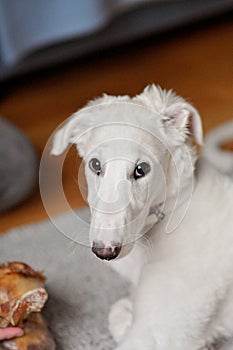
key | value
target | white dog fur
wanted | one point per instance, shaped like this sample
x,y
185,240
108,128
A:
x,y
172,228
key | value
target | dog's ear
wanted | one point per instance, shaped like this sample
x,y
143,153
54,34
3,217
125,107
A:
x,y
70,133
186,121
74,130
176,114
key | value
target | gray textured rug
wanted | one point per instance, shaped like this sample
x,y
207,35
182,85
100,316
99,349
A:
x,y
81,288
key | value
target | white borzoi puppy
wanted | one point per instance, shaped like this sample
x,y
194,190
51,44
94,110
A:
x,y
162,215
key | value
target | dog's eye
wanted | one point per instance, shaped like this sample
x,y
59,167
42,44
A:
x,y
141,170
95,166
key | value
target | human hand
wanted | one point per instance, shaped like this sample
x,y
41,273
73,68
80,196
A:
x,y
10,332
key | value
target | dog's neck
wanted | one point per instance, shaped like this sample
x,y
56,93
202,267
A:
x,y
173,209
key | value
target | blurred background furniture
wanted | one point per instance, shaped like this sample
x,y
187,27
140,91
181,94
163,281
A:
x,y
40,33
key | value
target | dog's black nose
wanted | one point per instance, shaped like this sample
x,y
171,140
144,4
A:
x,y
106,252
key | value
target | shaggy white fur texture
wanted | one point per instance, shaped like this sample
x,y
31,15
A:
x,y
171,227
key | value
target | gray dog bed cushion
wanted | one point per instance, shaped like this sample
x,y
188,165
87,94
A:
x,y
18,165
81,288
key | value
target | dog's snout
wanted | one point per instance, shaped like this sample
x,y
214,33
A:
x,y
106,252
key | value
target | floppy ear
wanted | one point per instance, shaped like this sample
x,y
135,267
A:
x,y
186,121
70,133
73,131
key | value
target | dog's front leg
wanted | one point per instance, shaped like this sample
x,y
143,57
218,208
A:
x,y
120,318
138,338
167,313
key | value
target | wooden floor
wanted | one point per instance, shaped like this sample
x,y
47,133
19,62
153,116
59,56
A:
x,y
196,62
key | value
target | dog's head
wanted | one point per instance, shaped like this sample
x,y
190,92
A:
x,y
132,149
